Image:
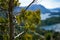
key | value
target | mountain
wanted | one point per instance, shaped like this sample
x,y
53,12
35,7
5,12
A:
x,y
39,6
33,7
42,8
55,10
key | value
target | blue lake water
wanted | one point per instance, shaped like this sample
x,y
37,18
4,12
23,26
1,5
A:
x,y
45,16
55,27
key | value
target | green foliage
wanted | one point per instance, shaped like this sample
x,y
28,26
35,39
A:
x,y
48,36
5,37
4,3
29,18
4,29
3,20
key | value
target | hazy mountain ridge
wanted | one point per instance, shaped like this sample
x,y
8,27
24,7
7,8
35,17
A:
x,y
56,9
35,7
42,8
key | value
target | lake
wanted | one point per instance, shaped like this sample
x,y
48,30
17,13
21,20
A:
x,y
55,27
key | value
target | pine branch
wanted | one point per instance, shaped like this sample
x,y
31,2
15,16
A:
x,y
19,34
1,8
39,35
30,4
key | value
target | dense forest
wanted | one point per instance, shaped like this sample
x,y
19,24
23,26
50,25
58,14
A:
x,y
50,21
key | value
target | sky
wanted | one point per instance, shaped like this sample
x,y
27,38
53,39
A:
x,y
50,4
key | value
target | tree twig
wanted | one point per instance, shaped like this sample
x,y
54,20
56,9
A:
x,y
19,34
